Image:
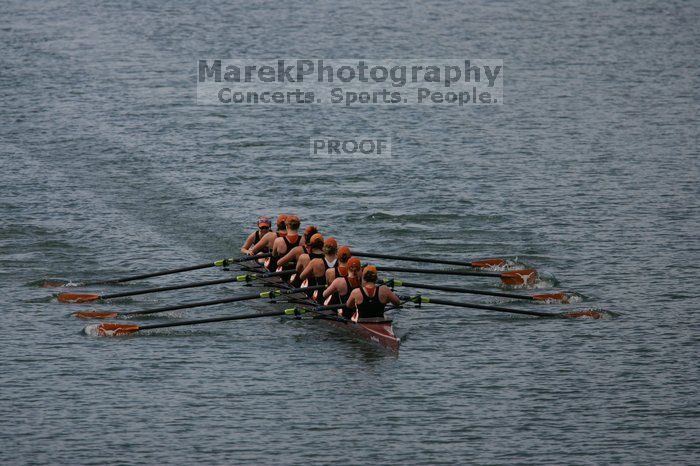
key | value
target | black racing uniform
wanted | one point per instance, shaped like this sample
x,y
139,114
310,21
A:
x,y
370,306
272,263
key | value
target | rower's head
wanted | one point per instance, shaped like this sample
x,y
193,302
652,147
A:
x,y
292,222
330,247
309,232
316,241
369,274
281,222
344,254
264,223
354,266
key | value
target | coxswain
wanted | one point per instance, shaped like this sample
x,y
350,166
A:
x,y
339,290
370,300
285,243
264,224
341,269
268,240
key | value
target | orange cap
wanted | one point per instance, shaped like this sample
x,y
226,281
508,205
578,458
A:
x,y
344,253
292,221
331,243
369,268
309,232
280,220
354,263
369,273
316,240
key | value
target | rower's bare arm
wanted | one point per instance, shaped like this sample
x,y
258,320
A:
x,y
308,270
277,245
302,262
330,275
248,243
332,288
260,245
290,256
392,297
353,299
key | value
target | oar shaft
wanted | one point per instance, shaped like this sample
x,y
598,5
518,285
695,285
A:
x,y
445,302
457,290
426,260
212,319
179,270
233,299
157,274
194,284
440,272
169,288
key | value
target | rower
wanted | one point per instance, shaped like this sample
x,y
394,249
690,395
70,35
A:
x,y
370,300
315,271
268,240
286,242
253,239
339,290
296,252
341,269
314,250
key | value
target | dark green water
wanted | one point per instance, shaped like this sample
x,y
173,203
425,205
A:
x,y
588,172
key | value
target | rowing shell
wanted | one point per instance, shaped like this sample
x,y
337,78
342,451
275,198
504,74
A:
x,y
377,332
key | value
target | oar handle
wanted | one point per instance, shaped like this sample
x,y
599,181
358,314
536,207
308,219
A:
x,y
440,271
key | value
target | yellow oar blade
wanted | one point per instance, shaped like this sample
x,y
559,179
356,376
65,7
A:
x,y
519,277
76,297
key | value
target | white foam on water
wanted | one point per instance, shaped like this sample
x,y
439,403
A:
x,y
91,330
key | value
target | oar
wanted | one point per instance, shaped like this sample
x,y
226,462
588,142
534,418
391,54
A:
x,y
565,315
512,277
549,297
113,329
265,294
219,263
477,264
86,297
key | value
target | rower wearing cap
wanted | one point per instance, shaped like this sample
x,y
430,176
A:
x,y
313,250
264,224
339,290
296,252
286,242
370,300
266,243
341,269
315,272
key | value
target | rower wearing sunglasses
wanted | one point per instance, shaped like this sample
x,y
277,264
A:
x,y
264,224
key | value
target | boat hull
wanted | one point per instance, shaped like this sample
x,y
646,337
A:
x,y
378,333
